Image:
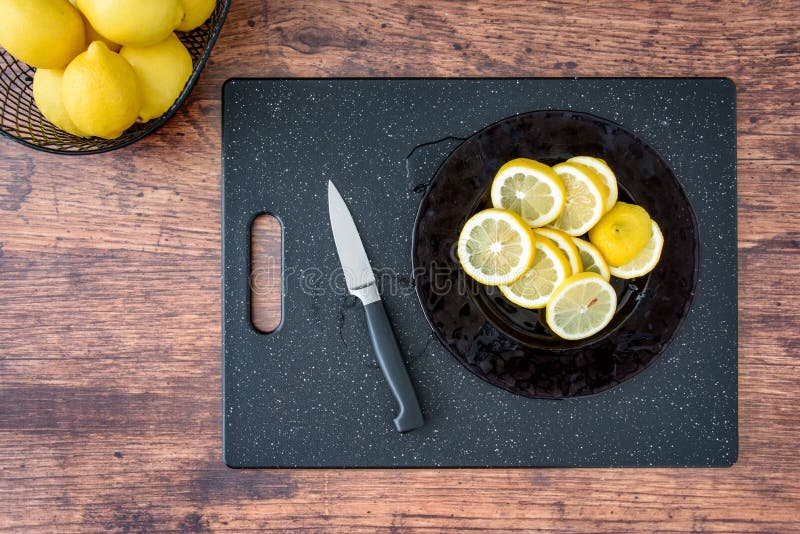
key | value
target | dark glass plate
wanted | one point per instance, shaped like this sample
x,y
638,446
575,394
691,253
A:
x,y
507,345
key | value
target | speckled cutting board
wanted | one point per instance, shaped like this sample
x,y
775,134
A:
x,y
311,395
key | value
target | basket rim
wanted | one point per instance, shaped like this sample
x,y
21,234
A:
x,y
198,68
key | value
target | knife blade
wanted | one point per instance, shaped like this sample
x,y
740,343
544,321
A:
x,y
361,283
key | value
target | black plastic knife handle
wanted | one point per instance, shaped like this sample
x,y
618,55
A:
x,y
393,367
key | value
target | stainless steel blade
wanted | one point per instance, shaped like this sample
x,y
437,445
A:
x,y
355,264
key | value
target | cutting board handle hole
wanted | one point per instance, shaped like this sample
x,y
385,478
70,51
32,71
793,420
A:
x,y
266,273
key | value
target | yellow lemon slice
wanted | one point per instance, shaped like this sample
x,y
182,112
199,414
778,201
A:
x,y
582,306
586,199
604,172
531,189
565,244
496,247
621,233
593,261
646,260
550,268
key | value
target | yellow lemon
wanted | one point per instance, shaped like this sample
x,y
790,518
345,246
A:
x,y
162,70
592,260
621,233
565,244
496,247
582,306
133,22
100,92
45,34
604,172
646,260
549,270
529,188
196,12
94,35
586,199
47,95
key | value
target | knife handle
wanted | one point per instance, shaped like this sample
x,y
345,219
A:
x,y
391,363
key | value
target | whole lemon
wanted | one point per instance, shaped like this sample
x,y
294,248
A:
x,y
94,35
45,34
47,95
133,22
621,233
196,12
162,70
100,92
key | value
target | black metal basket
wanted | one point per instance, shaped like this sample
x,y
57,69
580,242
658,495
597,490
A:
x,y
21,120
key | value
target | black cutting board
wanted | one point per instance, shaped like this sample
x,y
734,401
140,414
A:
x,y
311,395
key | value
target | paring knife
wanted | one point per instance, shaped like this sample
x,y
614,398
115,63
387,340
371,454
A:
x,y
361,283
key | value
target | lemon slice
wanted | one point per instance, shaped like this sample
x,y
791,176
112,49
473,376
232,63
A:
x,y
586,199
565,244
496,247
550,268
646,260
593,261
582,306
604,172
531,189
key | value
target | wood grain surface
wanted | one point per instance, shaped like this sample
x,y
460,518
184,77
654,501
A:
x,y
110,289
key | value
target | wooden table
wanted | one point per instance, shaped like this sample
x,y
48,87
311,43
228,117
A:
x,y
110,291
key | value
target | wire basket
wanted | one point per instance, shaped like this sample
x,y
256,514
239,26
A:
x,y
21,120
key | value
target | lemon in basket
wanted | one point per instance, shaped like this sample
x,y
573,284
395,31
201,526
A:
x,y
101,93
195,13
44,34
162,71
47,95
133,22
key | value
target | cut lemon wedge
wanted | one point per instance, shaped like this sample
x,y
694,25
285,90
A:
x,y
593,261
582,306
604,172
646,260
565,245
530,189
496,247
550,268
586,199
